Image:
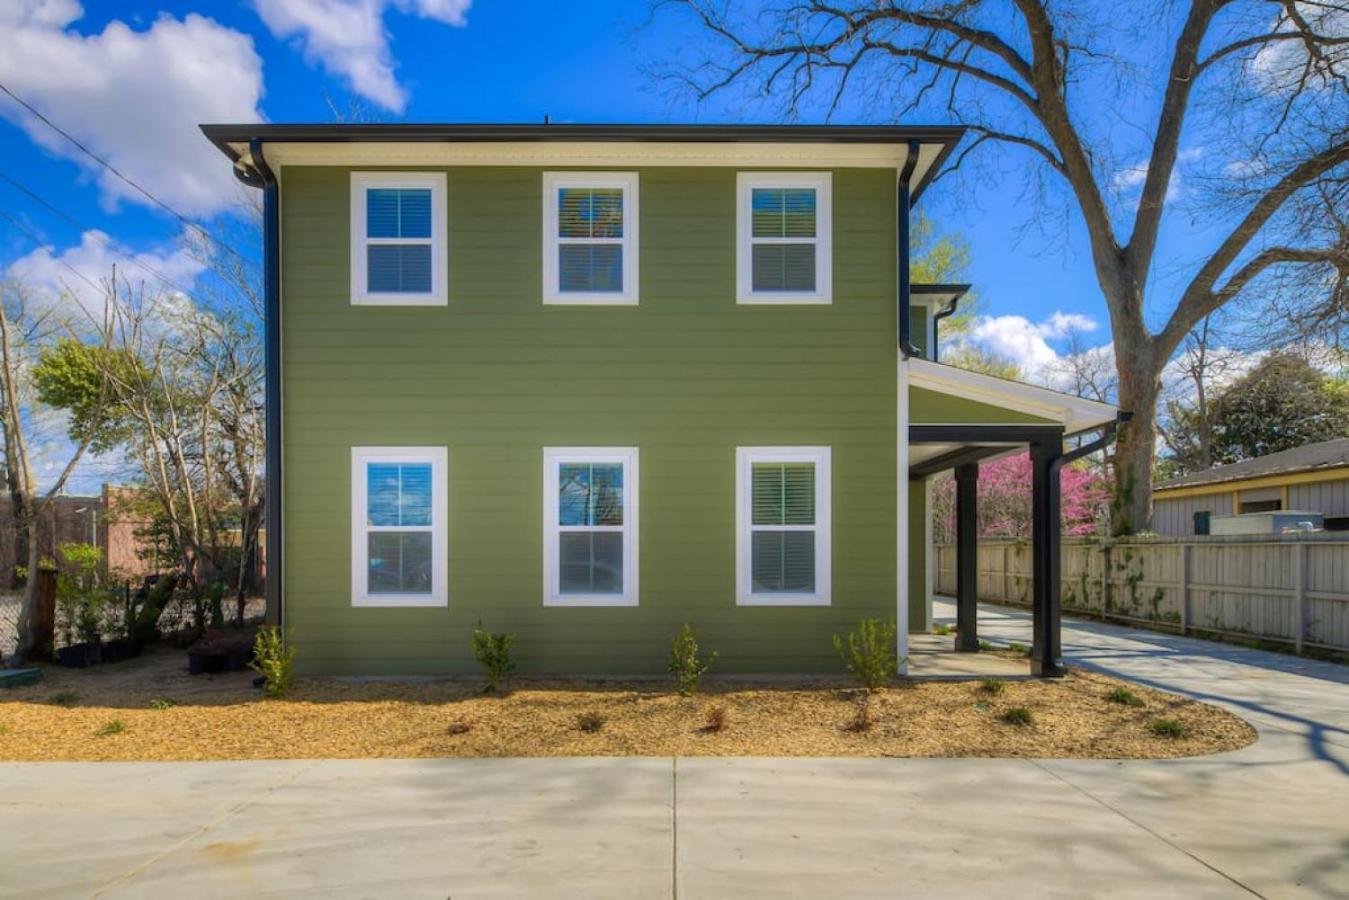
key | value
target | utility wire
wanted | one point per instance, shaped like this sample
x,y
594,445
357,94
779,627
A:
x,y
37,240
114,170
97,235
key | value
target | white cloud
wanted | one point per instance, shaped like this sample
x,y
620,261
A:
x,y
46,274
133,97
1026,343
1132,177
348,38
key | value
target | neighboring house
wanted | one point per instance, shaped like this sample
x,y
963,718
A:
x,y
100,520
588,383
1314,478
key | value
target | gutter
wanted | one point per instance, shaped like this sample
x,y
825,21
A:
x,y
1108,433
936,323
904,203
254,172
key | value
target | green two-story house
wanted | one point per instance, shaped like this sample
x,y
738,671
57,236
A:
x,y
586,384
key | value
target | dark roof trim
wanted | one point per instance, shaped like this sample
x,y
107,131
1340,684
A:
x,y
941,290
226,135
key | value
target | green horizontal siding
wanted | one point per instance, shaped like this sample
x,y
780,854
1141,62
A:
x,y
686,376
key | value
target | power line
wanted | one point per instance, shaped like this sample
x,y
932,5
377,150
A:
x,y
98,236
114,170
37,240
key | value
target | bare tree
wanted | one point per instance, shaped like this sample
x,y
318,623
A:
x,y
25,332
1263,80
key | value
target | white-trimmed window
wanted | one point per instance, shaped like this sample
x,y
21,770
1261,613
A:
x,y
783,237
590,237
398,255
782,526
398,543
590,526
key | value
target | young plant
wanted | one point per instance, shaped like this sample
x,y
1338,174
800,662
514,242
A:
x,y
718,720
1018,715
116,726
864,717
1018,648
274,660
985,645
1124,697
80,593
686,662
162,703
869,653
590,722
942,628
992,685
493,653
64,698
460,727
1167,728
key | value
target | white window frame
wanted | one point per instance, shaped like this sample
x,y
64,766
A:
x,y
553,457
627,183
361,457
745,458
360,293
745,183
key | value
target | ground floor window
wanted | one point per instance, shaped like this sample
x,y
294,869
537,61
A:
x,y
590,526
398,513
782,526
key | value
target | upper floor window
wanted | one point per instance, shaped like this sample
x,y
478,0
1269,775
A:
x,y
783,235
398,515
590,237
398,252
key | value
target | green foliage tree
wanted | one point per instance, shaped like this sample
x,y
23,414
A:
x,y
1284,402
83,379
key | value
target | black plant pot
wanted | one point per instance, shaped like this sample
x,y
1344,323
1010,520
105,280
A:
x,y
76,656
236,660
117,651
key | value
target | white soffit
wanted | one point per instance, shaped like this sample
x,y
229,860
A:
x,y
1074,413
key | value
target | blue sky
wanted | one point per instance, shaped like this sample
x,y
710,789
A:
x,y
132,80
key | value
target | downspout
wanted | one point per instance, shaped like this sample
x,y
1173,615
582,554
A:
x,y
1105,440
903,205
253,170
945,311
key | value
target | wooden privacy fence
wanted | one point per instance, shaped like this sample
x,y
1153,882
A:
x,y
1292,589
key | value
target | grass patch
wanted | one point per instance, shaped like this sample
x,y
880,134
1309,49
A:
x,y
985,645
115,726
992,685
1019,648
1124,697
162,703
590,722
942,628
1019,716
1167,728
64,698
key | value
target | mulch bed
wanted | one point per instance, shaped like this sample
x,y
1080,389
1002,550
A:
x,y
224,717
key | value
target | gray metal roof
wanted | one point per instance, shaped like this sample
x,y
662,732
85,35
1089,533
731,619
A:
x,y
1308,458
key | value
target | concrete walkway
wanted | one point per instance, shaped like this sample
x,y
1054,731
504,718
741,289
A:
x,y
1270,820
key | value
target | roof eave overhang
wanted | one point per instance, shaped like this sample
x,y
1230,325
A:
x,y
1075,414
842,146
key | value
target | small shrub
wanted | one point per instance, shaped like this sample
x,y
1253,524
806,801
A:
x,y
686,662
992,685
590,722
1124,697
869,653
162,703
985,645
116,726
459,728
1018,715
942,628
493,653
864,717
274,660
1019,648
718,720
64,698
1167,728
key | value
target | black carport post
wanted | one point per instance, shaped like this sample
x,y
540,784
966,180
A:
x,y
967,557
1046,650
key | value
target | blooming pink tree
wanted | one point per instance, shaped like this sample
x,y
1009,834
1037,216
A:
x,y
1004,500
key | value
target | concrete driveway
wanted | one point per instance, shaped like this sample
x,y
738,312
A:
x,y
1270,820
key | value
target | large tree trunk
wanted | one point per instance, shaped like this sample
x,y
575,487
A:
x,y
1139,387
28,610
